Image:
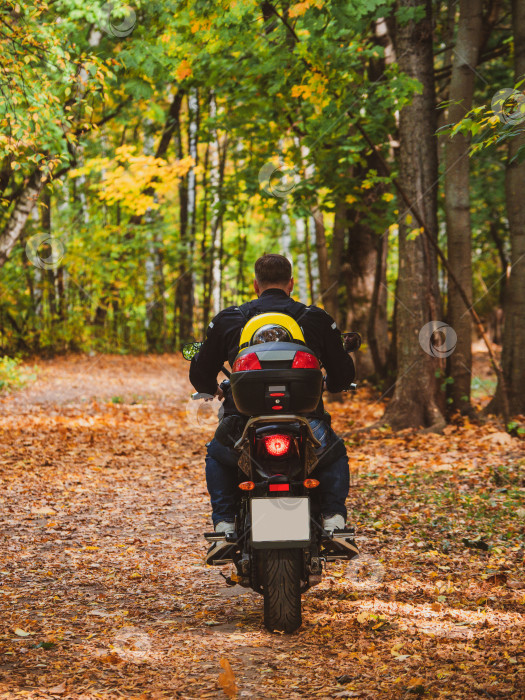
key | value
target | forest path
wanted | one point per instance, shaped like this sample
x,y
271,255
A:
x,y
104,593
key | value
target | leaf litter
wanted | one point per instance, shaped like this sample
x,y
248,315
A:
x,y
104,590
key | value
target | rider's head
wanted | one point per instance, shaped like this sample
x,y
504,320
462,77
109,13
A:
x,y
273,271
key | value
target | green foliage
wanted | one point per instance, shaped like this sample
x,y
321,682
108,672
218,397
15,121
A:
x,y
13,375
291,88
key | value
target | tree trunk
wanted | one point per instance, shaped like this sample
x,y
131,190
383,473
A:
x,y
415,402
300,233
154,322
365,277
329,274
331,295
321,251
514,330
45,214
286,231
22,208
205,249
313,263
217,165
457,198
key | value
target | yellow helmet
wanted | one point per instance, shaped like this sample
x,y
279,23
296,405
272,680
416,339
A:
x,y
271,318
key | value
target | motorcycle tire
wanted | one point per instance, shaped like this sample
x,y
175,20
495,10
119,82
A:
x,y
282,571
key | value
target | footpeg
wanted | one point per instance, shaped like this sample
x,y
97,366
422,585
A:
x,y
223,548
339,544
218,536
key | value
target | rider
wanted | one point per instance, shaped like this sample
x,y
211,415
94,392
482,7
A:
x,y
273,285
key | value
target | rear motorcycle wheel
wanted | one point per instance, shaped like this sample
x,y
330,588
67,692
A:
x,y
282,570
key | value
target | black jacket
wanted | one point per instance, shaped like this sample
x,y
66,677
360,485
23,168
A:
x,y
320,333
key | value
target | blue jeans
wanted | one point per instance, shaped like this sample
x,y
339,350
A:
x,y
222,476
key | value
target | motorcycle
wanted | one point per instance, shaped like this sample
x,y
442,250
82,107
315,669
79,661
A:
x,y
279,546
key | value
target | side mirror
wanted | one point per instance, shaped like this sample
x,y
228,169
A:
x,y
351,341
189,350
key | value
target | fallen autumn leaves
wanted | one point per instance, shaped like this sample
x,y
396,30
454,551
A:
x,y
104,593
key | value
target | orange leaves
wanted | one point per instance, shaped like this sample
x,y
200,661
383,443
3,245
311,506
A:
x,y
145,507
227,679
183,70
300,8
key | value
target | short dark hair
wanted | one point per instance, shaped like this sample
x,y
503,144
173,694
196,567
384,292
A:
x,y
273,269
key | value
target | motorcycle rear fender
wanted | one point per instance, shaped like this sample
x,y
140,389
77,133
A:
x,y
277,419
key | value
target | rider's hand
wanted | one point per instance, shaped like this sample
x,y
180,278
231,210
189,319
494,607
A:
x,y
219,393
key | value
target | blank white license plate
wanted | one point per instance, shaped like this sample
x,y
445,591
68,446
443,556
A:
x,y
280,522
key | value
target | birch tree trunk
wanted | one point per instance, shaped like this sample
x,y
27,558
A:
x,y
217,163
154,322
313,262
301,235
21,211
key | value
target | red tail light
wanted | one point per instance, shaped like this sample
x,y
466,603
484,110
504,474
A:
x,y
279,487
305,360
277,445
246,362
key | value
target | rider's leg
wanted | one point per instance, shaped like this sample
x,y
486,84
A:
x,y
222,482
332,473
334,484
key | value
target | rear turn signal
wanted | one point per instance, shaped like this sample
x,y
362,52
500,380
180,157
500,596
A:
x,y
305,360
247,485
246,363
310,483
277,445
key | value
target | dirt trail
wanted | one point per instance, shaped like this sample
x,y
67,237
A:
x,y
104,593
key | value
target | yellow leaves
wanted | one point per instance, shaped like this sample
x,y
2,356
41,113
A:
x,y
199,25
183,70
227,679
21,633
363,617
350,199
43,511
395,652
301,91
314,90
301,8
138,182
387,197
